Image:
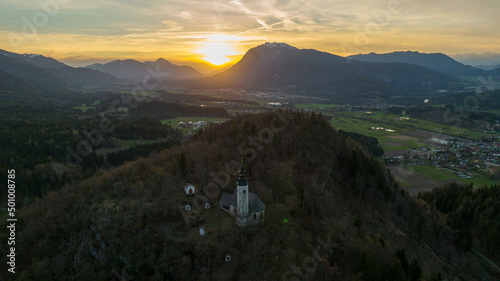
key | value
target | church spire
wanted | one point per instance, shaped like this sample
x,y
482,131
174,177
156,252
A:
x,y
242,180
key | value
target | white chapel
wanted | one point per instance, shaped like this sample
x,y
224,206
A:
x,y
246,207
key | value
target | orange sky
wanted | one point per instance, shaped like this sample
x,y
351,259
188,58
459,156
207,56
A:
x,y
208,33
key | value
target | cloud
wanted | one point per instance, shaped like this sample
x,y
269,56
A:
x,y
176,27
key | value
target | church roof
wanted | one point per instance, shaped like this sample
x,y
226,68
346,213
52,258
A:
x,y
254,202
225,200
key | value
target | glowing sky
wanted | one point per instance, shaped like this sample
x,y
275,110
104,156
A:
x,y
197,32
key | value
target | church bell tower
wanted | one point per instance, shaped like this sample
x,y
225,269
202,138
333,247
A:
x,y
242,197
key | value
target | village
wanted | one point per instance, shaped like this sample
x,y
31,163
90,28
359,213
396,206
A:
x,y
462,157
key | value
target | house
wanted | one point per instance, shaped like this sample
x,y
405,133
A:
x,y
189,189
246,207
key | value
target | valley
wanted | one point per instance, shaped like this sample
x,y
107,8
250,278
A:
x,y
343,154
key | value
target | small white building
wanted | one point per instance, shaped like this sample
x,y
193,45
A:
x,y
189,189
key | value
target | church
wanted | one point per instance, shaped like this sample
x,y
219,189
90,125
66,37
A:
x,y
246,207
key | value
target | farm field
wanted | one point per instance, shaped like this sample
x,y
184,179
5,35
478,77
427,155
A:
x,y
392,139
419,178
494,111
315,105
397,133
174,123
434,173
85,107
399,123
412,181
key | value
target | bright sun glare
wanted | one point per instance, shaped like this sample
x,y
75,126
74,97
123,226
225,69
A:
x,y
217,53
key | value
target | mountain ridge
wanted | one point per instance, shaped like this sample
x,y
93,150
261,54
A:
x,y
51,72
435,61
132,69
280,66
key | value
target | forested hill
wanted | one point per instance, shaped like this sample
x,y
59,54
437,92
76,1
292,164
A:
x,y
473,212
333,212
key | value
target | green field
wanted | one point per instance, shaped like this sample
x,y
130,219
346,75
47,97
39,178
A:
x,y
315,105
362,127
404,145
444,174
361,122
480,181
494,111
84,107
174,123
433,172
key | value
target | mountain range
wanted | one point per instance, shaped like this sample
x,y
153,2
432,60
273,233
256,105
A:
x,y
51,72
485,59
132,69
267,66
488,66
437,61
281,66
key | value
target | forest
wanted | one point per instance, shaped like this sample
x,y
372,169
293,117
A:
x,y
42,133
333,212
473,212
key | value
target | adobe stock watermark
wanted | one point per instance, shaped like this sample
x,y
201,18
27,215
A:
x,y
250,147
95,137
32,25
378,20
310,264
220,8
453,117
470,103
249,150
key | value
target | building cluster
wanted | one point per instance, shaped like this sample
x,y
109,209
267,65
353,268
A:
x,y
196,125
461,156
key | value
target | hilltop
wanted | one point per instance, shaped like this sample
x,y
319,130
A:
x,y
332,211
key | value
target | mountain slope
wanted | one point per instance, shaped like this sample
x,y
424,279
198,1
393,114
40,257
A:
x,y
132,69
495,73
52,72
437,61
13,86
83,76
28,71
33,59
277,65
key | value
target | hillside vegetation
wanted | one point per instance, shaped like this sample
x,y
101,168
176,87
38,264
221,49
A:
x,y
333,212
474,212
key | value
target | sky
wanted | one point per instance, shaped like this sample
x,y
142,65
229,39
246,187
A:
x,y
216,33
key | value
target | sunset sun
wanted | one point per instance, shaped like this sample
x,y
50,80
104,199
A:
x,y
217,53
